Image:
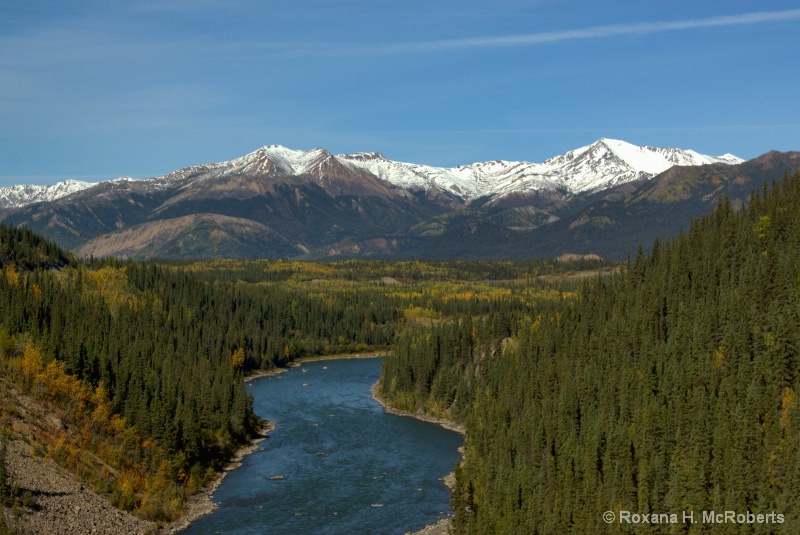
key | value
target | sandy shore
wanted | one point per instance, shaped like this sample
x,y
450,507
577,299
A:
x,y
259,374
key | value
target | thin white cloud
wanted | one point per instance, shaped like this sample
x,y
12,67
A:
x,y
572,130
595,32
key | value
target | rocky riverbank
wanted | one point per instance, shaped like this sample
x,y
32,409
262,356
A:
x,y
55,502
442,527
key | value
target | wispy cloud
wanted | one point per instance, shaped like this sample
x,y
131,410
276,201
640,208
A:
x,y
594,32
588,129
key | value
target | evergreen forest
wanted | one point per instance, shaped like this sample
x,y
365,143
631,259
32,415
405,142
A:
x,y
667,387
143,366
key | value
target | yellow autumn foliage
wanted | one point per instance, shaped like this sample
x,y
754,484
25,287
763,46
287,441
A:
x,y
98,445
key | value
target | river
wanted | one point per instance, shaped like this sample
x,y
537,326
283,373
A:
x,y
336,463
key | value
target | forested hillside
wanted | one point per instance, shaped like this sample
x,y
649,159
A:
x,y
151,397
667,388
142,366
27,250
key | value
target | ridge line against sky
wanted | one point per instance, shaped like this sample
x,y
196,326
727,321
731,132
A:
x,y
94,91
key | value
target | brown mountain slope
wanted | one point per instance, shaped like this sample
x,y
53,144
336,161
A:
x,y
708,182
196,235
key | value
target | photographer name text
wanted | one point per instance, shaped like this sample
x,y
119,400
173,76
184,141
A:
x,y
693,517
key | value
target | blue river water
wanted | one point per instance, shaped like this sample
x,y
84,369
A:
x,y
346,465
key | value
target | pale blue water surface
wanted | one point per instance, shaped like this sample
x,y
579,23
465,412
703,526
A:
x,y
348,466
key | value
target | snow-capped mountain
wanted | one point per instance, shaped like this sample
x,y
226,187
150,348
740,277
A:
x,y
610,162
278,202
598,166
603,164
16,196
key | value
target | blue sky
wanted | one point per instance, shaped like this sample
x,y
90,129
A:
x,y
94,90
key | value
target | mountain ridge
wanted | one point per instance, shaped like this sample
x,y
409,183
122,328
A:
x,y
24,194
281,203
600,165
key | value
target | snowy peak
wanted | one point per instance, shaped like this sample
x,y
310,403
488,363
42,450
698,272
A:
x,y
610,162
656,160
603,164
260,162
16,196
279,160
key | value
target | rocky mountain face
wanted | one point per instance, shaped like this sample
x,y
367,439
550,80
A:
x,y
17,196
279,202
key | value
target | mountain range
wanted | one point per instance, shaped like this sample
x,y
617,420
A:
x,y
604,198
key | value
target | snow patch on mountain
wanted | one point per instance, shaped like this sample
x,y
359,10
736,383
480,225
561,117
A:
x,y
22,195
603,164
610,162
